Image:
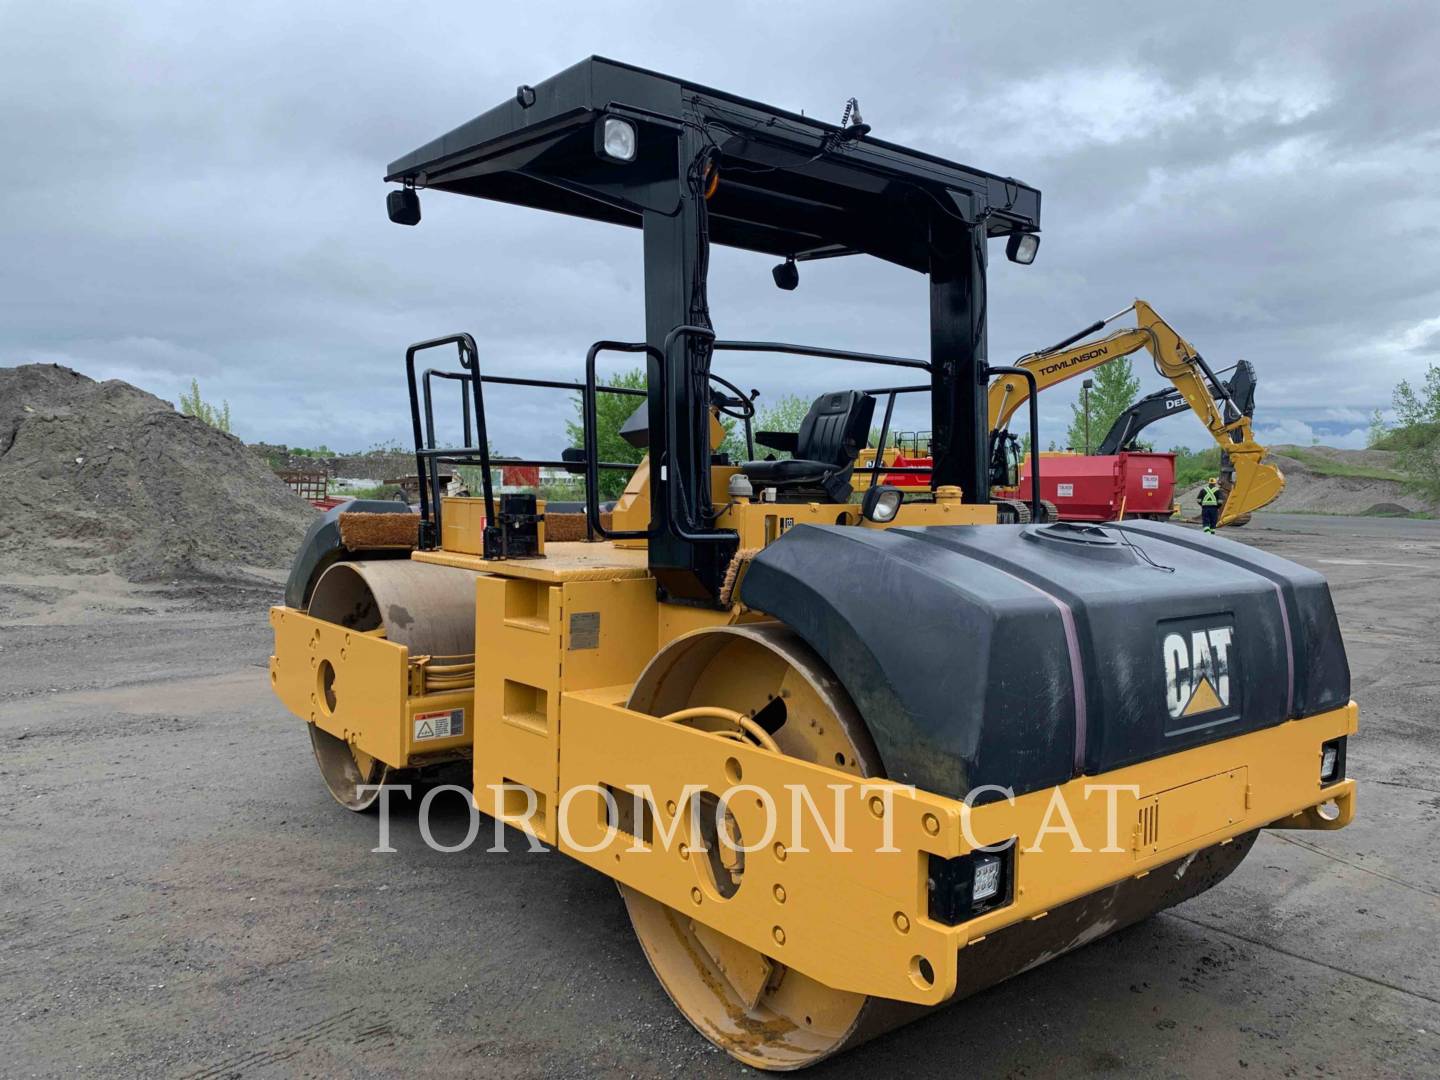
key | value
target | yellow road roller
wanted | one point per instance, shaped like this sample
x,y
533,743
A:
x,y
848,758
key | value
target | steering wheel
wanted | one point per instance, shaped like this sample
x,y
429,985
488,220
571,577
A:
x,y
736,404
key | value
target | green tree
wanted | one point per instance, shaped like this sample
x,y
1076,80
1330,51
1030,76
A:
x,y
1115,390
193,405
611,412
1422,406
1416,437
1378,430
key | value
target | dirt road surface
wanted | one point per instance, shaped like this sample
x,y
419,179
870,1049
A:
x,y
180,897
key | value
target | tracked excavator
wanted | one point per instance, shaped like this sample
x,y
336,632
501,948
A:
x,y
821,824
1225,408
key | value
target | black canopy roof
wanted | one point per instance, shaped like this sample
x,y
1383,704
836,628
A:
x,y
788,186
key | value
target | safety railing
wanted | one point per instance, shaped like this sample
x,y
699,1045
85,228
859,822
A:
x,y
476,450
891,392
687,524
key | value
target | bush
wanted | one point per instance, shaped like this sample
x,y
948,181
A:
x,y
1194,466
1416,437
193,405
1407,438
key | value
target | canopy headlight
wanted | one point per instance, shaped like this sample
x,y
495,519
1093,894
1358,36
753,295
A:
x,y
616,139
1021,248
403,206
881,504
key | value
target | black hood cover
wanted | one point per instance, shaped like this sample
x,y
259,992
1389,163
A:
x,y
1024,656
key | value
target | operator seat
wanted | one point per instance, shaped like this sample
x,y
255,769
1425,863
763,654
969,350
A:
x,y
824,449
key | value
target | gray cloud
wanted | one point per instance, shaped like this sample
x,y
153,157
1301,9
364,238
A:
x,y
195,191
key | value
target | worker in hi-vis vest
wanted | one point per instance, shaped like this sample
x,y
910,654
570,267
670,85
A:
x,y
1209,500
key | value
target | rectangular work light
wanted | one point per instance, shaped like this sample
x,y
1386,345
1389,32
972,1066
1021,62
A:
x,y
1332,760
1021,248
970,885
987,881
615,139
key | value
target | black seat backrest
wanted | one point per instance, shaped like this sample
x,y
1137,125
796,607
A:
x,y
836,427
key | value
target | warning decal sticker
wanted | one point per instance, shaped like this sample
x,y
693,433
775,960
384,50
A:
x,y
439,725
1150,482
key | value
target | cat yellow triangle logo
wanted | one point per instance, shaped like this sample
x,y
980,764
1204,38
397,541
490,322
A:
x,y
1203,700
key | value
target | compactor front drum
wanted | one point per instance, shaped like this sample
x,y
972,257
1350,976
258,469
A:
x,y
751,1005
429,609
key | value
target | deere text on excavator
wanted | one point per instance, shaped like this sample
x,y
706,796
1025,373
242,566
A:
x,y
822,823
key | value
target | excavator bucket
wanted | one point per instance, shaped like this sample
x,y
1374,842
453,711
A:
x,y
1254,484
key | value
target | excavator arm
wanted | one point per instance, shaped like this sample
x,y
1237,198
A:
x,y
1254,485
1163,404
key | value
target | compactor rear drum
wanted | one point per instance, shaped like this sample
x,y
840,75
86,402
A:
x,y
429,609
755,1008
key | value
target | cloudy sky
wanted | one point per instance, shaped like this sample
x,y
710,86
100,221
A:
x,y
194,190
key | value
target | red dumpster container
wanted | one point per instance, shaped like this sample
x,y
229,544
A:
x,y
1096,488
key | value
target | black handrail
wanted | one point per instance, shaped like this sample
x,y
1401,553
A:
x,y
722,345
435,373
544,384
592,437
443,455
470,359
1035,514
878,390
686,526
428,456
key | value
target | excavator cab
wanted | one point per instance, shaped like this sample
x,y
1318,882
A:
x,y
822,822
1006,456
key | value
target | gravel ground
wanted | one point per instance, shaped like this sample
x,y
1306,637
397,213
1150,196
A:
x,y
181,897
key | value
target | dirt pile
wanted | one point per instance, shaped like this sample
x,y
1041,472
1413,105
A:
x,y
1327,480
103,476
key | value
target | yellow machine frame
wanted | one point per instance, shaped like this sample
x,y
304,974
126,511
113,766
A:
x,y
560,641
625,705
